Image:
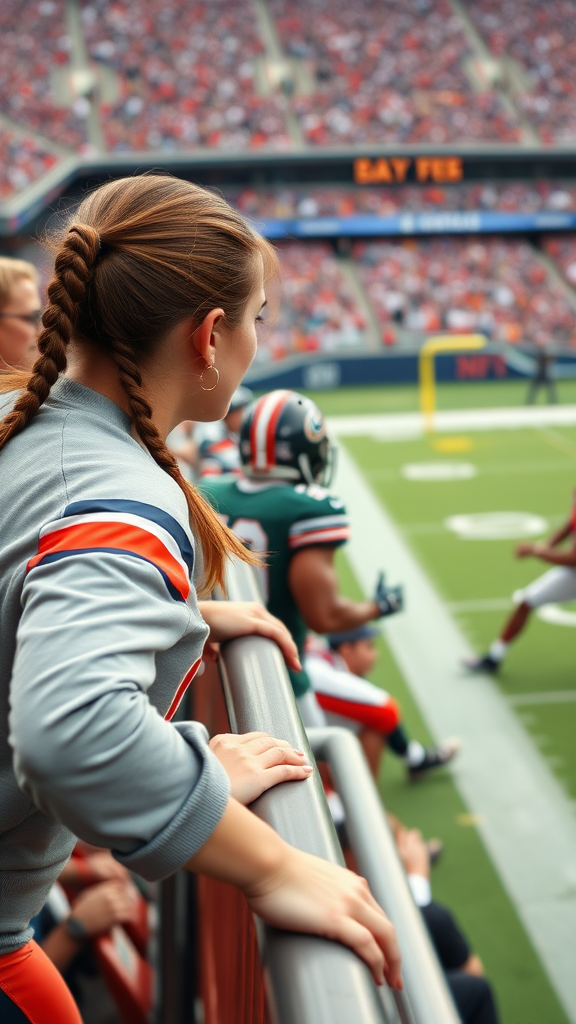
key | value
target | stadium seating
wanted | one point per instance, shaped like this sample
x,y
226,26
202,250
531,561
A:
x,y
330,201
319,311
541,40
562,249
466,284
387,72
22,161
34,44
186,75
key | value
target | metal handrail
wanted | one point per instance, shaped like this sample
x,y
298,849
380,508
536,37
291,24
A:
x,y
428,998
308,976
309,980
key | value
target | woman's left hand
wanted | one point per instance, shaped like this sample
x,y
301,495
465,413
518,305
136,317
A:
x,y
256,761
229,619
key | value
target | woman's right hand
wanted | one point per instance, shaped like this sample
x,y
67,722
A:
x,y
308,894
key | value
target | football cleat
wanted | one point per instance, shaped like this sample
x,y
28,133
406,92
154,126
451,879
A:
x,y
435,757
483,663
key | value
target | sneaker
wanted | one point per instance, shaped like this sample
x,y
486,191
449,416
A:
x,y
435,757
483,663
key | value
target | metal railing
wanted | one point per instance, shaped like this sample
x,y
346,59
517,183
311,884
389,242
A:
x,y
310,980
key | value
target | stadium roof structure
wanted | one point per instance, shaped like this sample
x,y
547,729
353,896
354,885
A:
x,y
266,167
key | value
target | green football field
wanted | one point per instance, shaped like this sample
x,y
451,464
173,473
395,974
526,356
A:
x,y
525,471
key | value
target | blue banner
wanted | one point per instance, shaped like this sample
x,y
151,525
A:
x,y
434,223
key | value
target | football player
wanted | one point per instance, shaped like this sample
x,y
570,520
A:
x,y
282,509
558,584
336,668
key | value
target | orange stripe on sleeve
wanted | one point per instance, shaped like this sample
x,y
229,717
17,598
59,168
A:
x,y
116,536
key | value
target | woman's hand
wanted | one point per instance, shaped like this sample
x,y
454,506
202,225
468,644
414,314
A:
x,y
526,549
307,894
256,761
229,619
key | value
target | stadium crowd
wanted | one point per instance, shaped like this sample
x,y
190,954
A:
x,y
22,161
35,44
187,75
318,311
562,249
332,201
541,39
386,72
490,285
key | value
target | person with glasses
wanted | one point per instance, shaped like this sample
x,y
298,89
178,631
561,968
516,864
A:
x,y
19,314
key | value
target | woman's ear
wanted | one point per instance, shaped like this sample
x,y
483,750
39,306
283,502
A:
x,y
203,339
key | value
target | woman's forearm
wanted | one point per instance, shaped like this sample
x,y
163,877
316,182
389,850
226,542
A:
x,y
242,849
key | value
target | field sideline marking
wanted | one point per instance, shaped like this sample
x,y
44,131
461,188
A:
x,y
411,424
526,821
524,700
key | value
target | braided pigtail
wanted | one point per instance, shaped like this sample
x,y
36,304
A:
x,y
216,540
73,268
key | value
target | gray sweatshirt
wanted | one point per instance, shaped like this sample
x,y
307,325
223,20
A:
x,y
100,634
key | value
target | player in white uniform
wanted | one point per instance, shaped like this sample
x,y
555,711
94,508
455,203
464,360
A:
x,y
336,668
556,585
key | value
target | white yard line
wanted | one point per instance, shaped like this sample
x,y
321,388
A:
x,y
525,819
524,700
395,426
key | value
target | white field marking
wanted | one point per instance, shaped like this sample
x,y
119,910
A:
x,y
397,426
496,525
526,820
433,471
485,469
487,604
525,700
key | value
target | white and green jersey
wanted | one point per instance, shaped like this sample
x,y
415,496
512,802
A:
x,y
278,519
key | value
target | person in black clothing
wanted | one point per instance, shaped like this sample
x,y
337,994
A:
x,y
463,969
543,377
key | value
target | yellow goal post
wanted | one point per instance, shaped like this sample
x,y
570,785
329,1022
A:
x,y
426,367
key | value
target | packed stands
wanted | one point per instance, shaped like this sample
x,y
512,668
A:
x,y
562,249
22,161
541,39
35,43
319,311
387,72
497,287
330,201
186,75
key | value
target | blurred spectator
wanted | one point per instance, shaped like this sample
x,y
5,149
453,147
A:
x,y
34,43
319,311
386,71
464,970
187,75
20,312
541,38
333,201
491,285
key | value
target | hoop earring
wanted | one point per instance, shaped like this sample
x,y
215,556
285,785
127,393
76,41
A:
x,y
214,370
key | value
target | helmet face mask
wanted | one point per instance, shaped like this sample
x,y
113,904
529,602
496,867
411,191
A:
x,y
283,437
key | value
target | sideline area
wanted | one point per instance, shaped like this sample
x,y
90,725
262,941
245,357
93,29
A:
x,y
524,817
395,426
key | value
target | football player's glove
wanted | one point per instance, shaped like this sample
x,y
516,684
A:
x,y
389,599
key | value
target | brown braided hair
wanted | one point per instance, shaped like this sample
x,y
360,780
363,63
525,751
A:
x,y
141,255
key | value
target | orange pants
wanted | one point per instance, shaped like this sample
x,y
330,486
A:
x,y
31,989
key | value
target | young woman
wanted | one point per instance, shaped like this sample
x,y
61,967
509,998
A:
x,y
150,320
